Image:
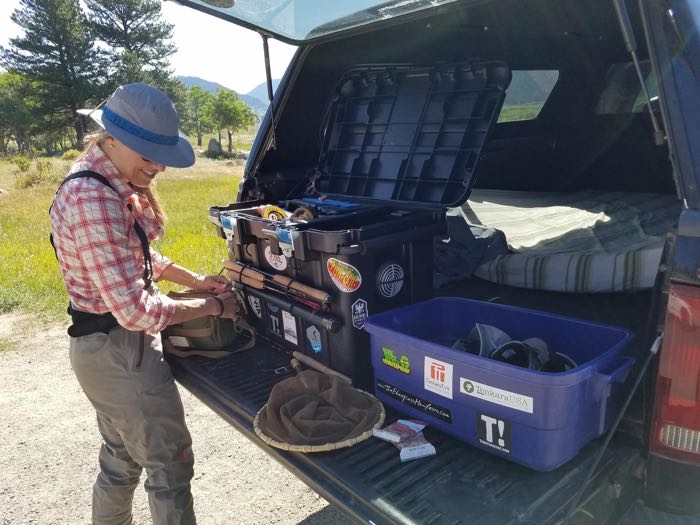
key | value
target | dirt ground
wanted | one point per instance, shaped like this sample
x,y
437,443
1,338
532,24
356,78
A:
x,y
49,444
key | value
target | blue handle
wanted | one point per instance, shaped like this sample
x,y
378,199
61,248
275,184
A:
x,y
602,388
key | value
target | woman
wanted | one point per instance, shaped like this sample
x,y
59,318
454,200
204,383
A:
x,y
103,217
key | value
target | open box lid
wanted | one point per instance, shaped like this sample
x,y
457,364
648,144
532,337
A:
x,y
410,134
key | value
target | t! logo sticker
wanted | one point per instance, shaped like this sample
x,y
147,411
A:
x,y
345,276
493,432
437,377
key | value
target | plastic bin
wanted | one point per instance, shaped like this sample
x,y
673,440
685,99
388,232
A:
x,y
537,419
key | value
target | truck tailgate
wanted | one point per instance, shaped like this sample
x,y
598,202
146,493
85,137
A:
x,y
461,484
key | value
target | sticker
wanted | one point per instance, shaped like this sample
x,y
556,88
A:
x,y
178,340
345,276
390,280
401,364
290,327
314,337
429,408
278,262
437,377
496,395
286,249
255,305
275,321
359,313
493,432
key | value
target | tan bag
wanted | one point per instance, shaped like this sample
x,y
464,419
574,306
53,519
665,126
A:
x,y
209,336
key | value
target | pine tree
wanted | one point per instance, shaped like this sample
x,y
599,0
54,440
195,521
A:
x,y
57,54
139,39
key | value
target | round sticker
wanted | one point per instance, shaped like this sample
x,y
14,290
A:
x,y
390,279
278,262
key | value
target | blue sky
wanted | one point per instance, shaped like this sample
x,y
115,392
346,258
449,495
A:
x,y
207,47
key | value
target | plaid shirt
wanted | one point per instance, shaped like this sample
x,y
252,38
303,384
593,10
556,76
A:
x,y
99,252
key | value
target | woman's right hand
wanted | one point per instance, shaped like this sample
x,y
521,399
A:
x,y
230,303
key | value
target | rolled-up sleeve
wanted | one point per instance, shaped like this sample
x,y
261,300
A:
x,y
160,263
101,232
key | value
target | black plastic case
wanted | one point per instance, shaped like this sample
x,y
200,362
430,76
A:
x,y
401,144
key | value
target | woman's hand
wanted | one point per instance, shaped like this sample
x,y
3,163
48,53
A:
x,y
211,283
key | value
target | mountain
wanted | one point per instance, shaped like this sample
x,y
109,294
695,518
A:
x,y
259,105
260,91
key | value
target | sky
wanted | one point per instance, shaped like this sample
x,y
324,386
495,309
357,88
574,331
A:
x,y
208,47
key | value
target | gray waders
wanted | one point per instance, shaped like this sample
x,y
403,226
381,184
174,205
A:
x,y
142,422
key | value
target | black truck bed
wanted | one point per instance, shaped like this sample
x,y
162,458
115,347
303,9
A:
x,y
461,484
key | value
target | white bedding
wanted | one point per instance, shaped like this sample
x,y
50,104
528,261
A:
x,y
585,241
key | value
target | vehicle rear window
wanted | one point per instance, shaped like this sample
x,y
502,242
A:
x,y
622,92
527,93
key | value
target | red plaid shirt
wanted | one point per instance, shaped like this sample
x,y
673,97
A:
x,y
99,252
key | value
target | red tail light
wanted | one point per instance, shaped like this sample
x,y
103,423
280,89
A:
x,y
676,424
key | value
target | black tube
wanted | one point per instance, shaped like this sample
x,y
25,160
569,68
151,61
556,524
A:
x,y
327,322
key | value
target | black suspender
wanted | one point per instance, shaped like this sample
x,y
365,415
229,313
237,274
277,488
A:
x,y
147,264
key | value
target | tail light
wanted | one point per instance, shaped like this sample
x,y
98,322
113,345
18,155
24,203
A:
x,y
676,422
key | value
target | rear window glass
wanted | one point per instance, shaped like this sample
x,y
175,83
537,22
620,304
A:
x,y
622,92
527,93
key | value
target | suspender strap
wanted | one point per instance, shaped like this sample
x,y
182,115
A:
x,y
147,264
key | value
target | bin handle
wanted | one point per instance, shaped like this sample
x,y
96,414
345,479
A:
x,y
602,389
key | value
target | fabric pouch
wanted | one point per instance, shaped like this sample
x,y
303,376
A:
x,y
208,336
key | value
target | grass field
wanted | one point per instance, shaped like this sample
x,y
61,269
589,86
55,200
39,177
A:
x,y
29,276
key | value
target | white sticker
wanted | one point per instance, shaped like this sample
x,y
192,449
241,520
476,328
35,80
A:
x,y
290,327
255,305
437,377
314,337
180,341
286,249
496,395
359,313
278,262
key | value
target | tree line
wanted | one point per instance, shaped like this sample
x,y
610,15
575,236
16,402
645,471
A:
x,y
68,58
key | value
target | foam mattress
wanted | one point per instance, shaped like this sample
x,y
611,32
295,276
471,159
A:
x,y
584,241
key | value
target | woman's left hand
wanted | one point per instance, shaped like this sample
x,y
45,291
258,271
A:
x,y
211,283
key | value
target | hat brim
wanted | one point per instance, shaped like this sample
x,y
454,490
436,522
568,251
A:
x,y
179,155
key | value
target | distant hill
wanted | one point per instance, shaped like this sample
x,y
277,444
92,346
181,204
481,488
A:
x,y
260,91
259,105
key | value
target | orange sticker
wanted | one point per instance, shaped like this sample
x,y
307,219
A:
x,y
345,276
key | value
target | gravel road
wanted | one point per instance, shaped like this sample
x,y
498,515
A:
x,y
49,444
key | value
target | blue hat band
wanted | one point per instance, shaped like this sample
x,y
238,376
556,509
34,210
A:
x,y
138,131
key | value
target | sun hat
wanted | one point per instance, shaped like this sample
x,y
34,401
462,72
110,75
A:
x,y
145,120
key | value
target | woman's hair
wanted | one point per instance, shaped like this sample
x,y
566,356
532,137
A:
x,y
96,140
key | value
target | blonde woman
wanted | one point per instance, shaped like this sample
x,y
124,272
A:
x,y
103,218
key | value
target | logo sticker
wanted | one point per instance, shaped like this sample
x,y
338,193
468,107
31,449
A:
x,y
345,276
496,395
290,327
437,377
255,305
494,432
401,364
314,337
359,313
429,408
390,280
274,320
278,262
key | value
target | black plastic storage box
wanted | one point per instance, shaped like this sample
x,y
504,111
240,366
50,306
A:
x,y
401,144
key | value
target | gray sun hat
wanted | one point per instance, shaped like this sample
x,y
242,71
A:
x,y
144,119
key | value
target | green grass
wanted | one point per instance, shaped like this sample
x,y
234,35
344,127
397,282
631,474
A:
x,y
29,276
524,112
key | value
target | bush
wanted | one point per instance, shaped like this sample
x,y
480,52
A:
x,y
71,154
42,173
23,163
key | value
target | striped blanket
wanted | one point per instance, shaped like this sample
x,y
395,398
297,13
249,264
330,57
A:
x,y
585,241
